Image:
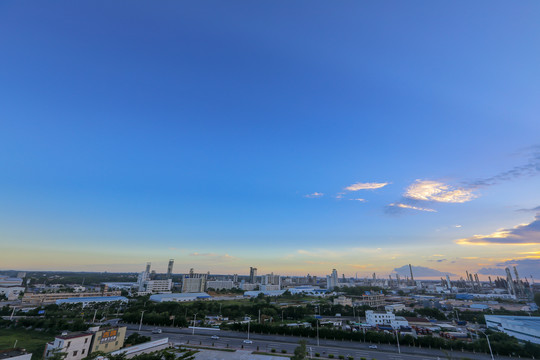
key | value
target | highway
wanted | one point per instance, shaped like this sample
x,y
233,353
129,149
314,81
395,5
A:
x,y
264,342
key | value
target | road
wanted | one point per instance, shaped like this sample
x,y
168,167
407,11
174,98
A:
x,y
264,342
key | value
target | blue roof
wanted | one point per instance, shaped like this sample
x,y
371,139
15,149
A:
x,y
91,299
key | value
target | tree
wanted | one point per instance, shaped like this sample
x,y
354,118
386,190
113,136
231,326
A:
x,y
300,351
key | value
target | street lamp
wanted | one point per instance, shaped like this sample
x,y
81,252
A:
x,y
489,344
140,325
397,339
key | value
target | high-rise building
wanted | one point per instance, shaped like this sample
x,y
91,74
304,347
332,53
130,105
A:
x,y
252,275
193,283
169,268
332,280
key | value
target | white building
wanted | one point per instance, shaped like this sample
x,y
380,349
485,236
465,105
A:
x,y
76,346
526,328
220,284
394,307
375,318
11,291
332,281
159,286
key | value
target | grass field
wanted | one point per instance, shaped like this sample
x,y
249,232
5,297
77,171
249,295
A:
x,y
32,341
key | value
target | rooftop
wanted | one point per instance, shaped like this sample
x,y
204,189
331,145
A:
x,y
9,353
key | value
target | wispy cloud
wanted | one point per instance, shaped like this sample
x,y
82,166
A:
x,y
535,209
365,186
405,206
359,199
429,190
531,168
213,256
523,234
314,195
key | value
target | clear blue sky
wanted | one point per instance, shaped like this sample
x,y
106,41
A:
x,y
224,134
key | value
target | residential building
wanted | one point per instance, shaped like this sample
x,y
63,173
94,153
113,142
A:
x,y
253,275
373,300
75,346
332,281
158,286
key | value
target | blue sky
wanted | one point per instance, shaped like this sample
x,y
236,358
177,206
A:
x,y
133,131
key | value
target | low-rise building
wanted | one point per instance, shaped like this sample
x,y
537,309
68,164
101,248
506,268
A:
x,y
108,339
85,301
11,292
219,284
75,346
180,297
376,318
15,354
51,298
526,328
342,300
394,307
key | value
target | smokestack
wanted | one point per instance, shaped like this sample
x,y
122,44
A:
x,y
412,277
169,268
148,264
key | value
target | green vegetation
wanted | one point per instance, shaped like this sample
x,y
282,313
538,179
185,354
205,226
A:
x,y
300,351
137,338
32,341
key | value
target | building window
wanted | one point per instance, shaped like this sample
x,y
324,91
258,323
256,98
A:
x,y
75,353
69,342
85,340
82,351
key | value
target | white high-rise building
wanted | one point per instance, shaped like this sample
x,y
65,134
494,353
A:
x,y
332,281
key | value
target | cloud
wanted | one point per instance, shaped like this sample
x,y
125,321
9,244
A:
x,y
365,186
405,206
523,234
361,200
535,209
420,271
531,168
458,226
213,256
525,267
429,190
314,195
492,271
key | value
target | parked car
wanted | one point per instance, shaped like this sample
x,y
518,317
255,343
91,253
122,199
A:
x,y
372,346
156,331
215,337
247,341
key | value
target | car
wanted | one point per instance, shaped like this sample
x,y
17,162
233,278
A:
x,y
247,341
215,337
156,331
372,346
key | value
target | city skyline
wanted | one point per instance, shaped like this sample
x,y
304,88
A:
x,y
293,138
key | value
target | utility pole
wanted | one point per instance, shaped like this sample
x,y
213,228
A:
x,y
318,332
489,344
140,325
94,318
248,327
259,316
194,322
397,339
